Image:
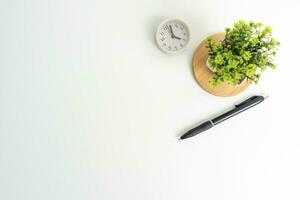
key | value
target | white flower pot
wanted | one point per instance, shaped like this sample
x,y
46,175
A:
x,y
209,66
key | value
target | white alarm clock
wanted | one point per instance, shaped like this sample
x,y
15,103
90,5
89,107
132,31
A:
x,y
172,36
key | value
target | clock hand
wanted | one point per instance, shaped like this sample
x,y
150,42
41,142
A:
x,y
166,27
172,33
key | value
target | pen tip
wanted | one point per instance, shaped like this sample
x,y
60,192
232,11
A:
x,y
265,95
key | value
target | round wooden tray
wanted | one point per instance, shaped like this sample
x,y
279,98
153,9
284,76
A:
x,y
203,75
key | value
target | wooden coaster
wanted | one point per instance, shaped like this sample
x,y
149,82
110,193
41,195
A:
x,y
203,75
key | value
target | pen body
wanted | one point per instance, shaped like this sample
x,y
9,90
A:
x,y
202,127
250,102
238,109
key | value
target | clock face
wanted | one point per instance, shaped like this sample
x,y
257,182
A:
x,y
172,36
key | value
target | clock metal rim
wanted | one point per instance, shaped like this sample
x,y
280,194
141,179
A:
x,y
157,34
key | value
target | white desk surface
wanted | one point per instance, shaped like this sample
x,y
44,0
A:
x,y
91,109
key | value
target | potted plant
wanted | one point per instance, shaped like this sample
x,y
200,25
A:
x,y
246,51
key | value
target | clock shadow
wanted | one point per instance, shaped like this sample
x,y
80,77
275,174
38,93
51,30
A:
x,y
151,28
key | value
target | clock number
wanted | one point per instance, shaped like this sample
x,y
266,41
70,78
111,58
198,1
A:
x,y
162,39
169,47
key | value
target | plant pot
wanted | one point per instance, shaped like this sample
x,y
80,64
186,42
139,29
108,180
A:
x,y
204,75
213,70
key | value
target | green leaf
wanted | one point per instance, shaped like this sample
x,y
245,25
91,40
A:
x,y
219,59
247,50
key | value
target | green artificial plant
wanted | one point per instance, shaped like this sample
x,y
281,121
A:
x,y
246,51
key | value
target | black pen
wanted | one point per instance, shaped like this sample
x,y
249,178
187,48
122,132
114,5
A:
x,y
248,103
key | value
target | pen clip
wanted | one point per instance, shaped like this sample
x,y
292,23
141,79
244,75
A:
x,y
246,101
